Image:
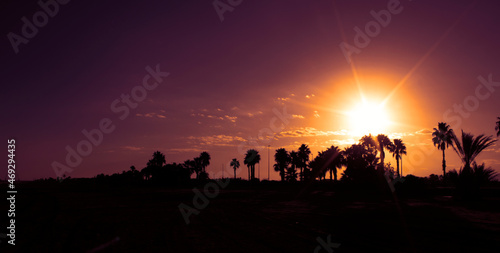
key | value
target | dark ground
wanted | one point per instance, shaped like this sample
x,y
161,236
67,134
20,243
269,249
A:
x,y
269,217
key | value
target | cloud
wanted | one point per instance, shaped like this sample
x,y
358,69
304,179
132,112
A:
x,y
489,162
225,117
310,132
316,114
151,115
295,116
182,150
216,140
424,131
232,119
283,99
132,148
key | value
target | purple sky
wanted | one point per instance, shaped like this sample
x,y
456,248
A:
x,y
226,78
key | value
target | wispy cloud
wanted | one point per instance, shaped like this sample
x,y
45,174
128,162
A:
x,y
216,140
310,132
151,115
132,148
316,114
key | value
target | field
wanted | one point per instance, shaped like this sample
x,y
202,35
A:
x,y
265,217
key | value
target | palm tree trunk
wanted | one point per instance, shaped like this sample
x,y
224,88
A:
x,y
444,166
331,176
234,173
248,172
253,172
335,174
382,158
401,165
397,165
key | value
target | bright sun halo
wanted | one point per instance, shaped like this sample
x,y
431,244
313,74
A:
x,y
368,118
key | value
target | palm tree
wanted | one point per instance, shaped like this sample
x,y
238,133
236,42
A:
x,y
158,160
204,160
317,165
303,155
398,149
252,157
333,160
383,142
497,127
470,147
442,137
235,164
291,174
191,166
282,159
483,174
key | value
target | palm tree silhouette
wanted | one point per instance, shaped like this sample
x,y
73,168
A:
x,y
291,174
158,160
383,142
282,159
191,166
252,157
442,137
204,160
470,147
235,164
303,155
398,149
334,160
497,127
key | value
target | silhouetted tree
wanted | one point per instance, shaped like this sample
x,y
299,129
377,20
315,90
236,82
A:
x,y
303,155
360,162
204,160
197,166
192,167
282,159
497,127
235,164
398,149
442,137
318,165
383,142
252,157
482,174
470,147
333,160
158,160
291,171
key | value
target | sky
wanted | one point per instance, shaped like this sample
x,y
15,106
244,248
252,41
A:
x,y
237,75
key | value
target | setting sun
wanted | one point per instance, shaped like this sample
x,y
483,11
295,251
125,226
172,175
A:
x,y
368,118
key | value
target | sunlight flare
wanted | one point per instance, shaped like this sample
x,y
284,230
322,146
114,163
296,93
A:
x,y
368,118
